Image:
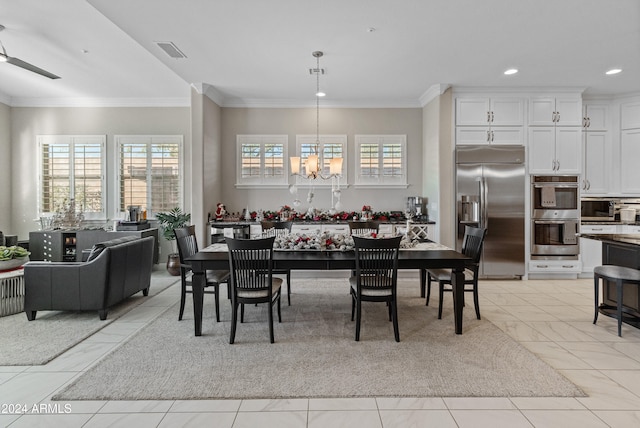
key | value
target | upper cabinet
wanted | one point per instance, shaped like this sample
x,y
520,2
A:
x,y
596,117
560,111
555,150
630,115
489,111
488,120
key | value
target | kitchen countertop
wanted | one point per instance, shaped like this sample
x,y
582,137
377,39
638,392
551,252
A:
x,y
245,222
632,239
609,223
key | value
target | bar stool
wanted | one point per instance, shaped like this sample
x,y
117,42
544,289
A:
x,y
620,275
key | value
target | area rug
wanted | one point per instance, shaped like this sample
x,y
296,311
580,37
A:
x,y
28,343
315,355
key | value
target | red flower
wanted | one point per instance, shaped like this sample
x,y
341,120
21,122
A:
x,y
374,235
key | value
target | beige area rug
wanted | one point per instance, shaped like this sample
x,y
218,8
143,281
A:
x,y
29,343
315,355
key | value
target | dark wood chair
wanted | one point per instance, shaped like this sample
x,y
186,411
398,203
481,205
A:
x,y
366,227
252,280
376,277
472,248
278,228
188,246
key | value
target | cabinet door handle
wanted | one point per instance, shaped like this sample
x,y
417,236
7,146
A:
x,y
491,117
567,266
492,135
488,117
542,266
488,136
588,185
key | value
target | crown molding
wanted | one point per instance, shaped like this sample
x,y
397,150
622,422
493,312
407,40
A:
x,y
433,92
520,90
100,102
284,103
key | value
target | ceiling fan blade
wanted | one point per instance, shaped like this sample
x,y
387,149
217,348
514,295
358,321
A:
x,y
22,64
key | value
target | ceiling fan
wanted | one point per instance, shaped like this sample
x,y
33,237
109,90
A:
x,y
22,64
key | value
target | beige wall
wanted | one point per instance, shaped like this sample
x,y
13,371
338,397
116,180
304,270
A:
x,y
5,170
349,121
28,122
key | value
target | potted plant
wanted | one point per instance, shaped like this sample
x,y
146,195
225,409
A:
x,y
169,221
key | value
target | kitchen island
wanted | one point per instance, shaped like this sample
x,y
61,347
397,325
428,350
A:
x,y
620,250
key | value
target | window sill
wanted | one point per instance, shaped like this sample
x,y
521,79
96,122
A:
x,y
262,186
380,186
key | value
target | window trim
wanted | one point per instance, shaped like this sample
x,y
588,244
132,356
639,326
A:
x,y
262,182
323,139
119,140
71,140
381,182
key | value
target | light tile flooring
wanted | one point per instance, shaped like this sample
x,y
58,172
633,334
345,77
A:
x,y
552,318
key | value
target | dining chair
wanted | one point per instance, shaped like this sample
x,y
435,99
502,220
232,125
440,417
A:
x,y
376,277
252,279
472,248
279,228
360,228
187,247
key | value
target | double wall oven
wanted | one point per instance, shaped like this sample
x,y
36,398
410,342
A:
x,y
555,216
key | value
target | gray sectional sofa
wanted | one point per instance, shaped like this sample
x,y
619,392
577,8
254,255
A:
x,y
114,270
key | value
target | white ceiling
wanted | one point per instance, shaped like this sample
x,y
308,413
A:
x,y
258,52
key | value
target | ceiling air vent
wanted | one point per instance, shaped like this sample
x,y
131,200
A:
x,y
171,49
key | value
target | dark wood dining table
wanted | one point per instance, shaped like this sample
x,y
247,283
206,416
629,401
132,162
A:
x,y
414,258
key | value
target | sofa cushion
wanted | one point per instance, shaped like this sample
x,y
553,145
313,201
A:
x,y
100,246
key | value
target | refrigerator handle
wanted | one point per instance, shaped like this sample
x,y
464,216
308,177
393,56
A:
x,y
483,203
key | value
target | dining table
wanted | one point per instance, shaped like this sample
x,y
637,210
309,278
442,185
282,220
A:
x,y
424,255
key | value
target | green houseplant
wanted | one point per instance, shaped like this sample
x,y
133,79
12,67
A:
x,y
173,219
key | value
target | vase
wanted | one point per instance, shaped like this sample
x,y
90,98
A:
x,y
173,264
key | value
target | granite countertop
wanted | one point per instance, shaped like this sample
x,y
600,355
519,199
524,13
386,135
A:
x,y
633,239
609,223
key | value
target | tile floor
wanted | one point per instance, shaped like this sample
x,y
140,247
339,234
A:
x,y
552,318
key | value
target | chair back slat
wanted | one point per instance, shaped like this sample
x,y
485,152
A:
x,y
363,228
186,242
275,228
376,261
251,263
472,242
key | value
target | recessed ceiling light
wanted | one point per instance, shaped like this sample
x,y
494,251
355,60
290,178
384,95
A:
x,y
320,94
511,71
613,71
371,30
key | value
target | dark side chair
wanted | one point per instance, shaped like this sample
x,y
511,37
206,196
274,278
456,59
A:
x,y
188,246
363,227
252,278
376,277
472,248
278,228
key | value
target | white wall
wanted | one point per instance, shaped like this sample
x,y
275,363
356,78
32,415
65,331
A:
x,y
5,170
349,121
28,122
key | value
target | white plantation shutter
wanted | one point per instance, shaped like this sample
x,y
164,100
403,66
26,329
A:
x,y
328,147
381,160
261,160
72,167
150,172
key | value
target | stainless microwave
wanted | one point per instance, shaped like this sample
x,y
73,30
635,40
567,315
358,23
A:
x,y
599,209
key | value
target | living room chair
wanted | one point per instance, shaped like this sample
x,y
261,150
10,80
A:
x,y
279,228
361,228
187,247
376,277
252,279
472,248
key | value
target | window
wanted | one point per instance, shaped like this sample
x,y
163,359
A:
x,y
261,160
149,172
72,168
329,147
381,160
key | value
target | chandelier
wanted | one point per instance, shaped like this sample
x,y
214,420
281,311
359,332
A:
x,y
312,164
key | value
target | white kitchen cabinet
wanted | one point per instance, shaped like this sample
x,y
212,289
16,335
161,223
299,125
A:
x,y
630,115
596,172
626,229
316,228
595,117
590,249
629,157
497,111
558,111
490,135
554,267
484,120
555,150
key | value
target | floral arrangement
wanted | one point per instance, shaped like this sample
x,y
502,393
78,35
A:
x,y
319,241
318,215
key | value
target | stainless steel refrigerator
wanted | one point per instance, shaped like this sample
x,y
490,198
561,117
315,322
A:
x,y
490,189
